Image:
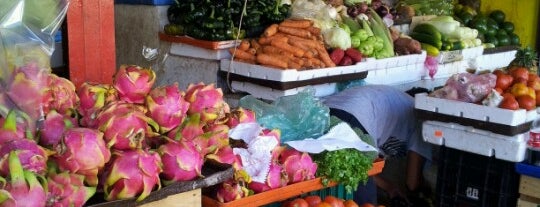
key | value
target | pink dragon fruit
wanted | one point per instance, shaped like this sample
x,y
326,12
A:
x,y
132,173
206,100
84,152
188,131
226,155
167,107
219,137
240,115
133,83
112,109
276,178
67,189
59,95
181,161
128,130
299,166
54,126
93,97
32,156
23,189
26,89
230,191
10,129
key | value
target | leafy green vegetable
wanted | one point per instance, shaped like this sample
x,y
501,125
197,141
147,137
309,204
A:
x,y
348,167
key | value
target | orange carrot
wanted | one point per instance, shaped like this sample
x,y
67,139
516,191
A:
x,y
244,45
325,58
268,59
242,54
255,44
285,46
274,50
252,51
267,40
293,65
315,31
271,30
296,23
306,42
295,31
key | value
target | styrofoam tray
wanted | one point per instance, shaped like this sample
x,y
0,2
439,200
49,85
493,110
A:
x,y
397,75
274,74
272,94
183,49
399,61
510,148
495,60
474,111
457,55
446,70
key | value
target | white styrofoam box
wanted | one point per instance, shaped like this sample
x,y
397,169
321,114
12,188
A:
x,y
495,60
182,49
429,84
474,111
398,61
267,73
446,70
272,94
457,55
510,148
397,70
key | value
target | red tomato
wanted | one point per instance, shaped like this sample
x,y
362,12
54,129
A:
x,y
350,203
520,73
526,102
504,81
537,97
367,205
313,200
323,204
333,201
299,202
509,102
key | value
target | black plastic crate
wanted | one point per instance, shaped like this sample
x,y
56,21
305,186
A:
x,y
466,179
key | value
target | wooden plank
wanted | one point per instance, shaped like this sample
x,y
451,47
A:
x,y
186,199
529,186
526,202
91,45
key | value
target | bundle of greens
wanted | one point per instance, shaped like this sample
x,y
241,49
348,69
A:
x,y
348,167
220,19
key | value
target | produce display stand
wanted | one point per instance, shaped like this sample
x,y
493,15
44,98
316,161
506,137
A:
x,y
186,193
283,193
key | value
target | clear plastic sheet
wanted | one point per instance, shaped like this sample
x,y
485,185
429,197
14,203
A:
x,y
27,31
298,116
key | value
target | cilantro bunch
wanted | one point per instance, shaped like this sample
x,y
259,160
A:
x,y
348,167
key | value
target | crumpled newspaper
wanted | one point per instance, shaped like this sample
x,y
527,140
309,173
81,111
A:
x,y
257,157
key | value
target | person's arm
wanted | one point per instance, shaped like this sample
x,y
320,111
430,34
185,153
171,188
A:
x,y
390,188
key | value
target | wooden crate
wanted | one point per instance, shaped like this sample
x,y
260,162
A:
x,y
186,199
529,189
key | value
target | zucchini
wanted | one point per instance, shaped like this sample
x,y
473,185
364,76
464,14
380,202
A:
x,y
428,29
425,38
430,49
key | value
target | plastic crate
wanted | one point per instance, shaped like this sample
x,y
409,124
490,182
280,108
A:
x,y
467,179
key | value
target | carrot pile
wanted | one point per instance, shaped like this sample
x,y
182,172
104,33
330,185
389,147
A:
x,y
291,44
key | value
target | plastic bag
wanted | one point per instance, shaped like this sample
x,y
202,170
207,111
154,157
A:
x,y
27,31
298,116
317,10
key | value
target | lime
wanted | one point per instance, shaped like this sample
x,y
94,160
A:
x,y
507,26
491,39
504,39
514,39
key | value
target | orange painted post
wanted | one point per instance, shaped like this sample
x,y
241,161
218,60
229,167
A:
x,y
91,45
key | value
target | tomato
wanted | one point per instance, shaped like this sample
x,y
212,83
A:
x,y
367,205
499,90
350,203
313,200
323,204
537,98
509,102
520,72
526,102
333,201
504,81
299,202
498,72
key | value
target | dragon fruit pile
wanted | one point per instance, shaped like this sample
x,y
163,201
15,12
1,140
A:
x,y
125,139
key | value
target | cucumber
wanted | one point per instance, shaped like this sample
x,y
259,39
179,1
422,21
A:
x,y
458,45
425,38
430,49
428,29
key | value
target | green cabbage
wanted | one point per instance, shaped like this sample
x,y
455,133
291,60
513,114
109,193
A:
x,y
337,37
